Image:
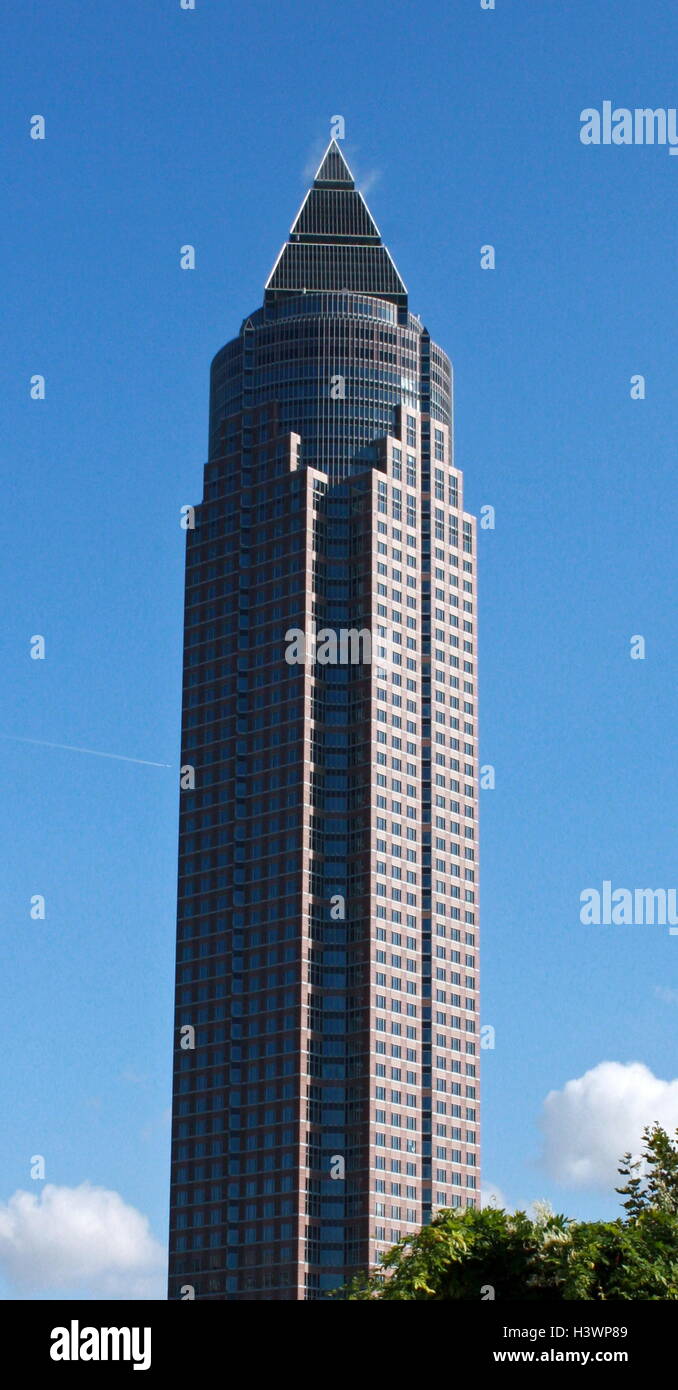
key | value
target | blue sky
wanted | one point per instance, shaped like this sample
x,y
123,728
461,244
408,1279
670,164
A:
x,y
166,127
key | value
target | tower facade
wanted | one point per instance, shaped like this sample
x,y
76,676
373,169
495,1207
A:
x,y
326,1087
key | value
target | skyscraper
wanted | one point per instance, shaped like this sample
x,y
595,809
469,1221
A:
x,y
326,1030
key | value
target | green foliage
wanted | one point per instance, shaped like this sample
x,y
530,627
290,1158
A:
x,y
547,1256
653,1179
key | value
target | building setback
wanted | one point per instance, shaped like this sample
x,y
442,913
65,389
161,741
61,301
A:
x,y
326,1040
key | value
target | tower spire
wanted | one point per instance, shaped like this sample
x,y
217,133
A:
x,y
334,243
333,167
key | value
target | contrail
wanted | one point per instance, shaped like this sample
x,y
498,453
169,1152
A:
x,y
70,748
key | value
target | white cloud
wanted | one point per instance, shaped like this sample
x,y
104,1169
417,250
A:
x,y
601,1115
669,996
369,181
82,1237
491,1196
314,157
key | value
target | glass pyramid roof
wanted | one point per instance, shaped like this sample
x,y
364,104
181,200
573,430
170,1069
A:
x,y
334,243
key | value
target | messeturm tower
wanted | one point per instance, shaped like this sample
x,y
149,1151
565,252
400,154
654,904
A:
x,y
326,1044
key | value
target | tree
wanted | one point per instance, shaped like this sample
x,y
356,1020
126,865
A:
x,y
653,1178
509,1255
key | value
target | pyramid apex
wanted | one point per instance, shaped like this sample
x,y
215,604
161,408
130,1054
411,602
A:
x,y
333,167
